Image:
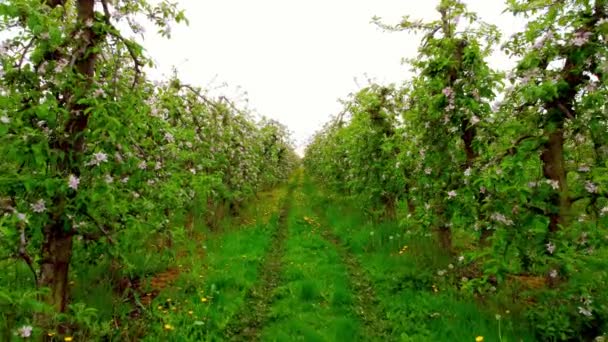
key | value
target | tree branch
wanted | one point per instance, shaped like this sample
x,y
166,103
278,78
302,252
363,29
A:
x,y
26,257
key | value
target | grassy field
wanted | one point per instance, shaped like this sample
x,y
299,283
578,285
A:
x,y
308,268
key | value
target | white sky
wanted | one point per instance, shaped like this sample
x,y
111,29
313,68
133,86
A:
x,y
294,59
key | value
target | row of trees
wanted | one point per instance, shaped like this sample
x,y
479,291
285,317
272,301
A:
x,y
526,176
94,154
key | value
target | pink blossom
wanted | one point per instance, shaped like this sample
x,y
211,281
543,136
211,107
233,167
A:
x,y
142,165
22,217
498,217
451,194
38,207
99,93
581,38
73,182
590,187
447,91
98,158
584,168
25,331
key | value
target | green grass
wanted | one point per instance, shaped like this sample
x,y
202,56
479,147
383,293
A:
x,y
205,299
340,278
420,304
314,303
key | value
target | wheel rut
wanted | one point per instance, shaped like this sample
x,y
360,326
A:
x,y
248,323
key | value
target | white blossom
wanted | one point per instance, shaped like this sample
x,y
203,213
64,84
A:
x,y
467,172
553,274
142,165
452,194
108,179
475,120
585,311
553,183
428,170
5,119
169,137
550,247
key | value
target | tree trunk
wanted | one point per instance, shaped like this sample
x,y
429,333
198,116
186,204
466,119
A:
x,y
56,250
444,234
554,170
55,264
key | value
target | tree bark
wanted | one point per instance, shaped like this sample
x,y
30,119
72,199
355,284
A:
x,y
552,156
56,249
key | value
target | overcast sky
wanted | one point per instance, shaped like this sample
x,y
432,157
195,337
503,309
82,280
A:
x,y
294,59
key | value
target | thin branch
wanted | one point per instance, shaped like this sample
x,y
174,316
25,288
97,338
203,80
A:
x,y
100,227
26,257
27,48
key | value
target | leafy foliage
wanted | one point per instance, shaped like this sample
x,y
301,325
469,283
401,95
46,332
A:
x,y
518,185
99,163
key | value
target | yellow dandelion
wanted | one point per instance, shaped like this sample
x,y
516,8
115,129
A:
x,y
68,339
168,300
168,327
51,334
204,299
190,312
479,339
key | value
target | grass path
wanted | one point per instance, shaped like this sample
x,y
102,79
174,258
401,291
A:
x,y
314,300
366,304
247,323
318,270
